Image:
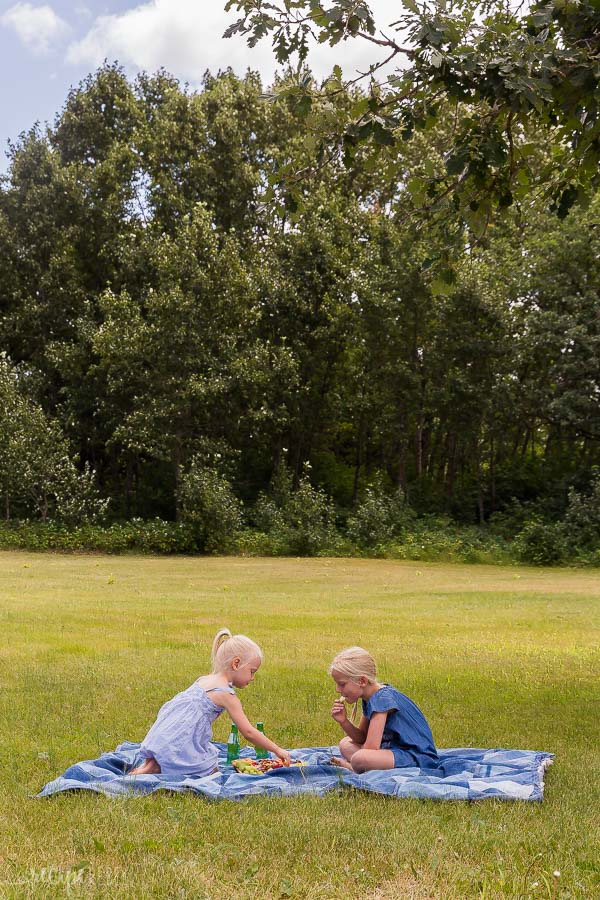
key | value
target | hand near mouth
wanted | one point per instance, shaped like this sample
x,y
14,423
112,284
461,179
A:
x,y
338,710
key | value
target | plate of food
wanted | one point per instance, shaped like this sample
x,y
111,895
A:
x,y
248,766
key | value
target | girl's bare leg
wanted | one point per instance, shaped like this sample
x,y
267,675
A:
x,y
367,760
347,748
150,767
358,760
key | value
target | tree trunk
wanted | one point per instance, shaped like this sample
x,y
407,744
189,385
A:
x,y
492,475
176,460
358,463
128,484
451,474
434,451
402,466
480,504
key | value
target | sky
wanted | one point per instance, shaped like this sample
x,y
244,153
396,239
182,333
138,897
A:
x,y
46,48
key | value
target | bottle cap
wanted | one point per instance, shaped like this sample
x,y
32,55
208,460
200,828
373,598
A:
x,y
260,725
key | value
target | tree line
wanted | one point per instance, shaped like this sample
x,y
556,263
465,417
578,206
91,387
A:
x,y
167,314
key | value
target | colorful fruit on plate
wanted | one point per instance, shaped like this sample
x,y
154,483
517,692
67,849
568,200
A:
x,y
247,766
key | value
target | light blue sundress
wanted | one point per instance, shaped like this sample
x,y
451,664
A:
x,y
180,739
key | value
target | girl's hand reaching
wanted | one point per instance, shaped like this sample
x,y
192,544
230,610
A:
x,y
284,756
338,711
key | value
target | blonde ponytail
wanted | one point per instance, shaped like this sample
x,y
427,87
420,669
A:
x,y
221,636
226,646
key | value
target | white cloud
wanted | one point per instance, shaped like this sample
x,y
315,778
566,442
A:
x,y
38,27
185,37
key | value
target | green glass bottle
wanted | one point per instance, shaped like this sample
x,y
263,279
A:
x,y
261,753
233,745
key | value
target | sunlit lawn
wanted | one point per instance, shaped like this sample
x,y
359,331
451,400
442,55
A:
x,y
496,657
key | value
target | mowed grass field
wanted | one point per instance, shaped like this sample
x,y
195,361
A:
x,y
91,646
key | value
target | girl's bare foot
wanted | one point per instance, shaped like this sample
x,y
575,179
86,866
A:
x,y
342,763
150,767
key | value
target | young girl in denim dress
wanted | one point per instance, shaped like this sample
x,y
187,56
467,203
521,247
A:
x,y
392,733
179,744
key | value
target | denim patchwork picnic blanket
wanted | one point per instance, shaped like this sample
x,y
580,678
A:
x,y
462,774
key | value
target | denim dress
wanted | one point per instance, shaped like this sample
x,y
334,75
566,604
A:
x,y
406,731
180,739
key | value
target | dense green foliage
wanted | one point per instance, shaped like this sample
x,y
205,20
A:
x,y
177,349
501,66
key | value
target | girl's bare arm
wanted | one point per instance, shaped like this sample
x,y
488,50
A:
x,y
232,704
375,731
358,733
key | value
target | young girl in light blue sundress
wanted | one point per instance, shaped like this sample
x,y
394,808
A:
x,y
179,743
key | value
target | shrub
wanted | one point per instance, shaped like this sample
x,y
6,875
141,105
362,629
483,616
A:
x,y
542,543
301,521
582,518
154,536
509,521
309,520
257,543
380,517
437,539
210,507
78,500
38,476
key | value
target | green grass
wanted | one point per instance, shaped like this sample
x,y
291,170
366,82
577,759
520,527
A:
x,y
91,646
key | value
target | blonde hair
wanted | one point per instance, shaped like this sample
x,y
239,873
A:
x,y
355,663
226,646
